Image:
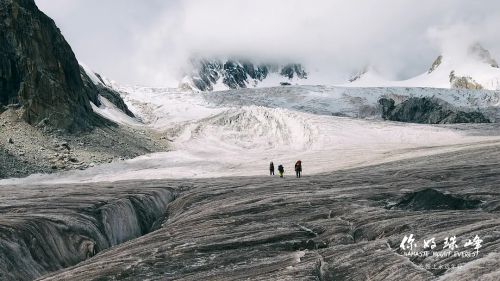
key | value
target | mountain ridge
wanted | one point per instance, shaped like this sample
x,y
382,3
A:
x,y
233,73
476,69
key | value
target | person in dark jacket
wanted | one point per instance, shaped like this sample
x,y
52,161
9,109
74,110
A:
x,y
281,170
271,169
298,169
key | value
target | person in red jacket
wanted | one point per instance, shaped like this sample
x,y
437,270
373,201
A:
x,y
298,169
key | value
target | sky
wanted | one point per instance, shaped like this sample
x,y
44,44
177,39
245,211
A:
x,y
150,42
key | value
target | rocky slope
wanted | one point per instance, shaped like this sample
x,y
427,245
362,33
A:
x,y
46,97
26,149
208,74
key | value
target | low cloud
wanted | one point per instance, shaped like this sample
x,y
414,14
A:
x,y
150,42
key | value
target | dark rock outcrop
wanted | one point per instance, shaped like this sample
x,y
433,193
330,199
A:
x,y
465,117
238,73
435,64
293,70
427,111
39,71
431,199
235,74
387,106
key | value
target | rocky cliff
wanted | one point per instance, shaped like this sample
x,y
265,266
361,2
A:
x,y
427,111
39,73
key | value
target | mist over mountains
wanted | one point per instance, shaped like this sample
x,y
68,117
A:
x,y
475,68
153,44
218,74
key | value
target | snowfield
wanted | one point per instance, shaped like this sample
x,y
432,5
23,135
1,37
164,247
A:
x,y
487,76
237,133
476,64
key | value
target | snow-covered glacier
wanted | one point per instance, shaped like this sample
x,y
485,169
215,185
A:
x,y
238,132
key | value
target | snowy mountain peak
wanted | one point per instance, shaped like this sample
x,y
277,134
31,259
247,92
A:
x,y
359,74
223,74
476,69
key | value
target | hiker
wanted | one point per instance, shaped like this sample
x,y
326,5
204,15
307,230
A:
x,y
281,170
298,168
271,169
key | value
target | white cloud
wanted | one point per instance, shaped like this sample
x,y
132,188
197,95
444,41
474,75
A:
x,y
148,42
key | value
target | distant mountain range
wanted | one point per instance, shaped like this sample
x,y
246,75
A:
x,y
475,69
41,78
223,74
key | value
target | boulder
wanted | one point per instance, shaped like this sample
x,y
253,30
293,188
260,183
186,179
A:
x,y
431,199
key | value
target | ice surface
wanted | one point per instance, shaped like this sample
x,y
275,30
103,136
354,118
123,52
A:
x,y
348,101
333,226
91,74
237,133
160,108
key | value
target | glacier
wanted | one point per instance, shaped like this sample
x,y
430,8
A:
x,y
238,132
332,226
207,209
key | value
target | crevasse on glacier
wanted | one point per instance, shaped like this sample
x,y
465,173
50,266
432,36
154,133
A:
x,y
46,235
